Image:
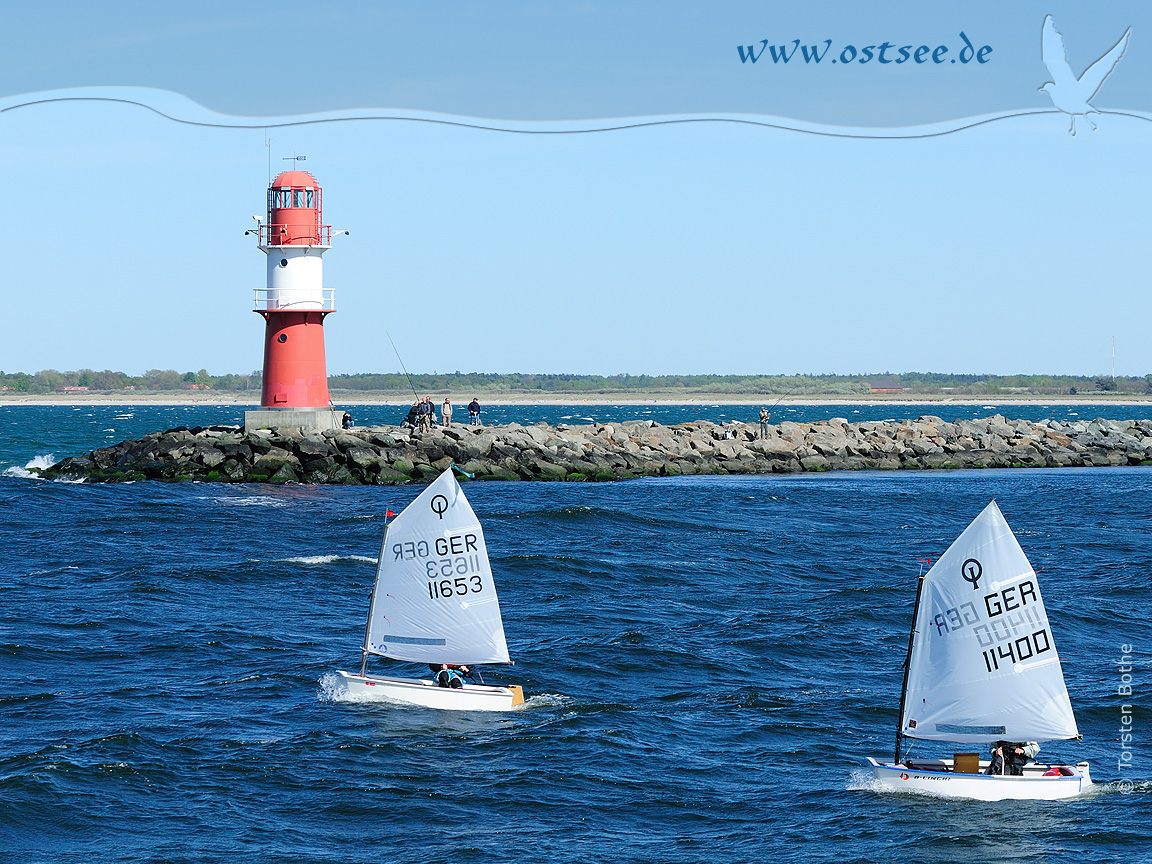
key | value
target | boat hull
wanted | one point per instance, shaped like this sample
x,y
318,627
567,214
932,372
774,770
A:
x,y
418,691
939,779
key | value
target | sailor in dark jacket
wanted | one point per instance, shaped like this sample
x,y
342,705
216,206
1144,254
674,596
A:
x,y
449,675
1010,757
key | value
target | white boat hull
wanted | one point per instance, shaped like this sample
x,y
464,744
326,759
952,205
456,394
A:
x,y
418,691
937,778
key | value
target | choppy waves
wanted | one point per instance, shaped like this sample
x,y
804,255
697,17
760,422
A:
x,y
706,661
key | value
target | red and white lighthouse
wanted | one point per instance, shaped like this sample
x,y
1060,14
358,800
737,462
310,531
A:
x,y
295,302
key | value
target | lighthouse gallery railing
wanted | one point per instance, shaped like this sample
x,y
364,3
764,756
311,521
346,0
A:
x,y
271,299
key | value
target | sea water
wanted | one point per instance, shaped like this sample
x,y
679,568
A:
x,y
707,662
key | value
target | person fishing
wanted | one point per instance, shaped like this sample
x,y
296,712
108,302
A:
x,y
413,415
450,675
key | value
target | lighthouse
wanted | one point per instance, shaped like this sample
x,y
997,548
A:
x,y
294,238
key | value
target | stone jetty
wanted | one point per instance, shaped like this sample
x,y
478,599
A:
x,y
615,451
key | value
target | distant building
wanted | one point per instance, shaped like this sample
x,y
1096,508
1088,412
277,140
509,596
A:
x,y
886,385
70,389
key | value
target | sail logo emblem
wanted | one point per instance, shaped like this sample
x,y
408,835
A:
x,y
972,570
439,505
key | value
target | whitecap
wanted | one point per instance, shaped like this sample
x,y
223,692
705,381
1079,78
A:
x,y
250,501
52,570
45,461
1123,787
863,780
544,700
332,689
326,559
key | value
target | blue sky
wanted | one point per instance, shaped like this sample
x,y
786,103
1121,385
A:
x,y
689,248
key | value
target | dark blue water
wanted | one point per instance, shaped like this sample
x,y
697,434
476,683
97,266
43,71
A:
x,y
707,662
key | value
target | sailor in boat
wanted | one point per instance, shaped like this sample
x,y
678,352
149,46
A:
x,y
447,675
1010,757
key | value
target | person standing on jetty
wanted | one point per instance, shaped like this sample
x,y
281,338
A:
x,y
764,423
474,412
446,412
427,414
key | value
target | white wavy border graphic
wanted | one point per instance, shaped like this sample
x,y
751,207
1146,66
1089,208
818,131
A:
x,y
180,109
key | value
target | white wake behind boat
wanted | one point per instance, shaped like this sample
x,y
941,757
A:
x,y
434,602
982,668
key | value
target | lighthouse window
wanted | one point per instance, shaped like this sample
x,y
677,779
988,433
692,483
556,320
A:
x,y
283,337
298,198
283,262
309,197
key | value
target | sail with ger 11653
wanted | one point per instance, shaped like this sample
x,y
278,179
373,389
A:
x,y
435,601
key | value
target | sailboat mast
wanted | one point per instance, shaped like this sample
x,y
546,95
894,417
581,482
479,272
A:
x,y
372,602
908,665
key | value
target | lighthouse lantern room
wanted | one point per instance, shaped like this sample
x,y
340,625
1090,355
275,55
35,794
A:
x,y
294,389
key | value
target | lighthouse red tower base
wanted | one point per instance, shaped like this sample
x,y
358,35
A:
x,y
294,373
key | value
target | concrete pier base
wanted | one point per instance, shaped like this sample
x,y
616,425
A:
x,y
309,419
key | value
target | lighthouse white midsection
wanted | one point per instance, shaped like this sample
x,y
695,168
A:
x,y
295,279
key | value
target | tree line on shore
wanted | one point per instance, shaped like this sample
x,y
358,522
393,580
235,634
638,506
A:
x,y
480,383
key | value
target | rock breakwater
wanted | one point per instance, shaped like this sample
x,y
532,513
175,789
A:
x,y
389,454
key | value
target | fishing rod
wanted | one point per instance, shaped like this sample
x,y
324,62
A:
x,y
398,357
772,407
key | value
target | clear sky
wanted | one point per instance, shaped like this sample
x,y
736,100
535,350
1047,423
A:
x,y
706,247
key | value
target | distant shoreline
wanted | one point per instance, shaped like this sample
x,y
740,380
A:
x,y
343,401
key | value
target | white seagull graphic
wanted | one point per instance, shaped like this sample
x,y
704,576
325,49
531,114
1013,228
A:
x,y
1070,94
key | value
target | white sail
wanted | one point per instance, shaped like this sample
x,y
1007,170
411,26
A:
x,y
984,665
434,600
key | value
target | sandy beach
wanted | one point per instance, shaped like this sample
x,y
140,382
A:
x,y
352,398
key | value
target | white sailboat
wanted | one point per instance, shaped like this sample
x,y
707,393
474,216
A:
x,y
434,602
982,667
